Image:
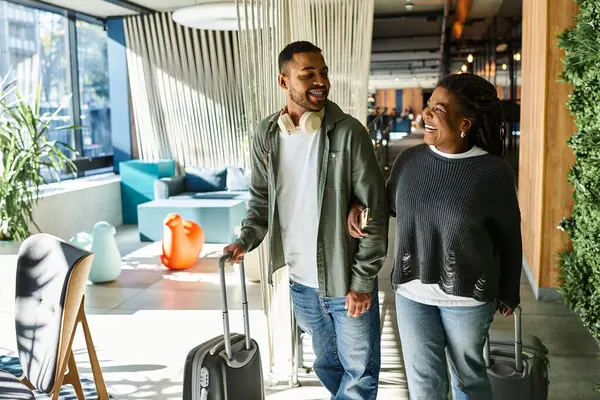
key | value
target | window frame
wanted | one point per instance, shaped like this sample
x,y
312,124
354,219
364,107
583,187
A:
x,y
84,164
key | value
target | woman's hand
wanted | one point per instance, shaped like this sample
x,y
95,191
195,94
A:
x,y
354,221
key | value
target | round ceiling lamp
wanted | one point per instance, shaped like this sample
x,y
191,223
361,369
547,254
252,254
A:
x,y
216,15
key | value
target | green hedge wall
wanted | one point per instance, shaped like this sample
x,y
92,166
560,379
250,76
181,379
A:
x,y
580,268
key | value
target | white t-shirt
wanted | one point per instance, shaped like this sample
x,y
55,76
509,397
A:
x,y
431,294
297,182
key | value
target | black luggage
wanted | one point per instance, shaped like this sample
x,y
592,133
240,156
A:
x,y
228,366
517,364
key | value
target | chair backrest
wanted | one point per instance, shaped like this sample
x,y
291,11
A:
x,y
51,278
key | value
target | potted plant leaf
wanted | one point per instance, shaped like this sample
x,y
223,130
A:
x,y
27,156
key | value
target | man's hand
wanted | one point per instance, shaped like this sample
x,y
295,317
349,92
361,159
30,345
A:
x,y
357,303
354,221
505,310
237,253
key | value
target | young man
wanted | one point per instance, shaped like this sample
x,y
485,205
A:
x,y
309,161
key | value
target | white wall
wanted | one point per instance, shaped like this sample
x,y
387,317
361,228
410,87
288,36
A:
x,y
75,206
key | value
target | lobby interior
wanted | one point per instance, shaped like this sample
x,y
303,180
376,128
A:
x,y
152,88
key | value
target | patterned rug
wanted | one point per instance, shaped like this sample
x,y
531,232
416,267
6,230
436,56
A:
x,y
11,364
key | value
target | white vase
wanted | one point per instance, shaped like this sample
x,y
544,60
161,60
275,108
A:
x,y
106,266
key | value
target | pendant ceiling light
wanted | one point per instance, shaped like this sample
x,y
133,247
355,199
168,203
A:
x,y
219,15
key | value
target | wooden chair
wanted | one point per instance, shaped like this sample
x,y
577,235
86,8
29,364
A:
x,y
49,305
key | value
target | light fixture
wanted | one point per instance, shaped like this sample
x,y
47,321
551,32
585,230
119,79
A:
x,y
371,99
501,47
409,5
464,68
470,58
397,79
517,56
218,15
504,67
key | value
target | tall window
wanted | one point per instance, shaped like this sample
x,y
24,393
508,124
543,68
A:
x,y
40,47
37,52
93,88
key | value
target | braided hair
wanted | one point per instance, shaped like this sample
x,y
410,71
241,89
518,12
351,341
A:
x,y
479,101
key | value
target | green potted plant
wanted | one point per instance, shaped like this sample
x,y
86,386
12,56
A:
x,y
25,151
580,266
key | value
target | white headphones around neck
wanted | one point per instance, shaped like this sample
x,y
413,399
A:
x,y
310,122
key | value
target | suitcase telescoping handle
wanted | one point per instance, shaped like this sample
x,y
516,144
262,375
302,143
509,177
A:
x,y
227,337
518,344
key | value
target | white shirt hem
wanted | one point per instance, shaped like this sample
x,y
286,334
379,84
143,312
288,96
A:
x,y
314,285
459,302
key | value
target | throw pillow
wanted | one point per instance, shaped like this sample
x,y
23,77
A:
x,y
238,179
198,179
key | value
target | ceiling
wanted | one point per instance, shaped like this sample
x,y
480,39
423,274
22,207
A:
x,y
406,42
111,8
396,6
104,8
406,39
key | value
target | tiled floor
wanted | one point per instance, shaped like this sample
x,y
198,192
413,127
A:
x,y
144,324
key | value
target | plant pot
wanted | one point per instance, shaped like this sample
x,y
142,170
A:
x,y
9,247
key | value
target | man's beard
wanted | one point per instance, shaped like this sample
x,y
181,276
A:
x,y
302,100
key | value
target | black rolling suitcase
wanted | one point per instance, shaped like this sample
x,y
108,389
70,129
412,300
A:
x,y
517,364
228,366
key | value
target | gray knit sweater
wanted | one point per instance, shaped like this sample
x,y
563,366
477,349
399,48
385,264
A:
x,y
458,224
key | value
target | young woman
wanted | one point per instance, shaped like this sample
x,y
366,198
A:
x,y
458,239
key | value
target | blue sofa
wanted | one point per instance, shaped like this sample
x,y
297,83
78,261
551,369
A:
x,y
216,199
174,187
137,184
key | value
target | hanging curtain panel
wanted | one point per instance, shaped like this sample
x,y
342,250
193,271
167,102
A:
x,y
263,29
186,93
263,33
343,29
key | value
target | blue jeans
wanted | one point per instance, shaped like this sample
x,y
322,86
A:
x,y
347,349
432,335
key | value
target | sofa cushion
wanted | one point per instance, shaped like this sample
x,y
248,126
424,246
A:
x,y
238,179
198,179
